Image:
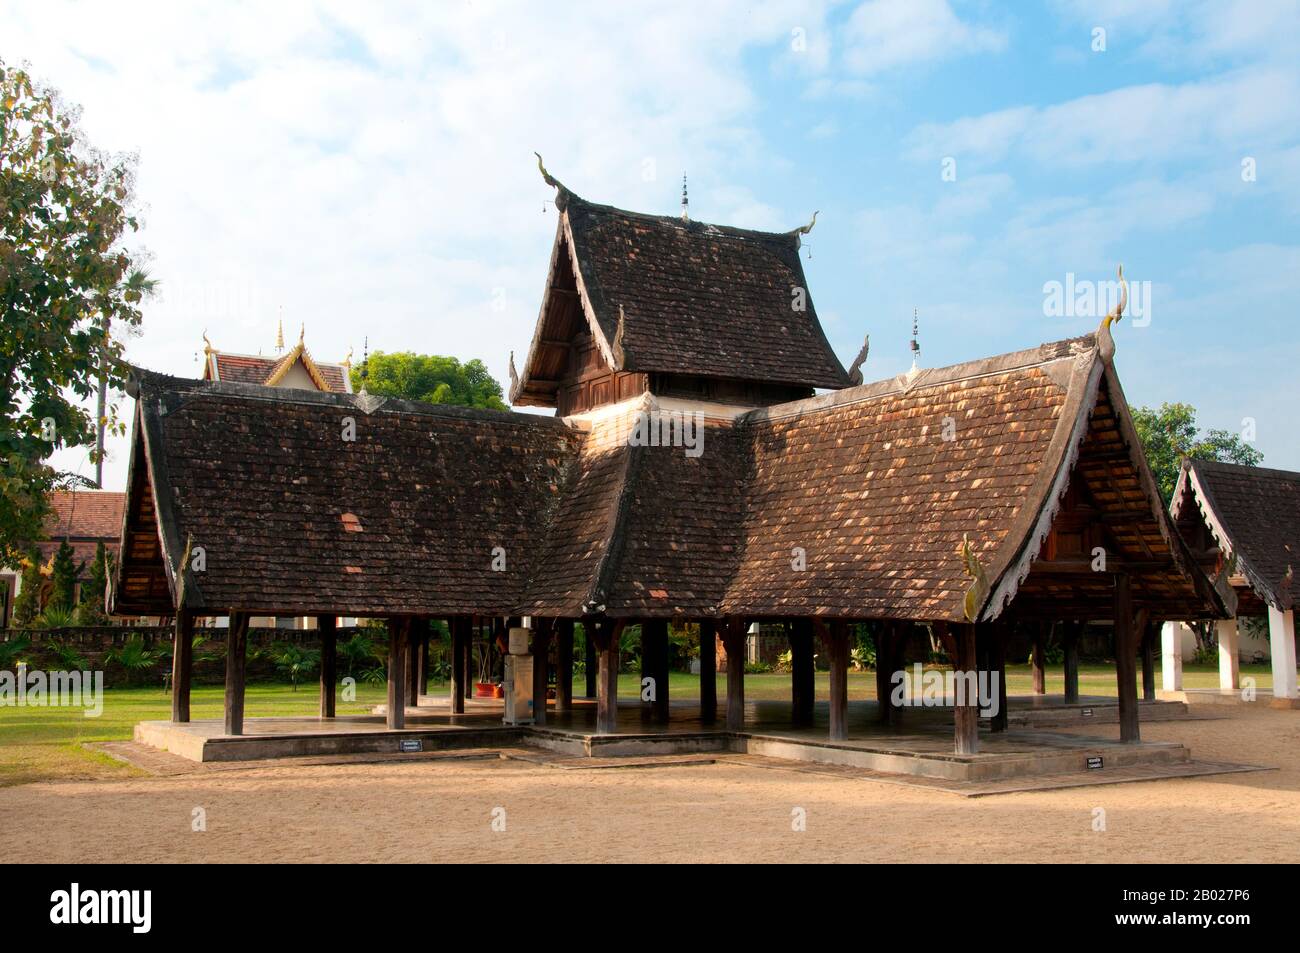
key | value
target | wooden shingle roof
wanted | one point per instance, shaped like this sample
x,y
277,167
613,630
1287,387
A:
x,y
851,505
1254,515
664,295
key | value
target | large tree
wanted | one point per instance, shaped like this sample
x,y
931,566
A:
x,y
1170,433
430,378
68,288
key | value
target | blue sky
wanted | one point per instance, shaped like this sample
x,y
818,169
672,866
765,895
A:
x,y
368,171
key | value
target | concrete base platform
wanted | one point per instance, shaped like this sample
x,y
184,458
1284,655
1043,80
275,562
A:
x,y
921,748
1221,696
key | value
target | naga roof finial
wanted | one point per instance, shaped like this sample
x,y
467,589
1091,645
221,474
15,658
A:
x,y
979,587
855,372
207,345
1105,342
549,179
514,374
805,229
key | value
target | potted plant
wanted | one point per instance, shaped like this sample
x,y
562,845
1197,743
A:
x,y
483,686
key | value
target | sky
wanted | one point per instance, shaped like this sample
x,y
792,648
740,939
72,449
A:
x,y
367,170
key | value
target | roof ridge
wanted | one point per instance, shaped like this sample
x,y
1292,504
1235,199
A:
x,y
930,377
688,225
1245,468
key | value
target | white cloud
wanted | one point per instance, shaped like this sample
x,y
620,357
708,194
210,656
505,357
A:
x,y
884,34
369,168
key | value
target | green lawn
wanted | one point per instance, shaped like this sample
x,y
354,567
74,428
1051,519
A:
x,y
45,743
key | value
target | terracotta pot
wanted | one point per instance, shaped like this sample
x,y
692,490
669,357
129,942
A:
x,y
484,690
498,691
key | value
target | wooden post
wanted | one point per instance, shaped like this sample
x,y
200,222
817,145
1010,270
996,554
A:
x,y
884,669
398,636
592,666
708,671
541,655
966,711
1126,660
1070,644
998,671
328,662
564,666
414,636
898,663
1148,636
1040,630
605,635
803,685
654,666
733,642
459,627
836,638
422,682
236,651
182,664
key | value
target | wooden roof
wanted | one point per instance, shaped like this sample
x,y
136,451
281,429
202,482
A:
x,y
663,295
1043,464
1253,514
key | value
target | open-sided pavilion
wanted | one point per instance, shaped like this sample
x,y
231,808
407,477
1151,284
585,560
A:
x,y
692,473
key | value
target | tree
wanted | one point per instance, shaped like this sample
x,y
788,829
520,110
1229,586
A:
x,y
28,604
67,284
91,610
63,576
429,377
1170,434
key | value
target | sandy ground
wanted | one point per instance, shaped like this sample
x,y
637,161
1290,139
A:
x,y
443,811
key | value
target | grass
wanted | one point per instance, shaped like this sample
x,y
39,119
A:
x,y
42,744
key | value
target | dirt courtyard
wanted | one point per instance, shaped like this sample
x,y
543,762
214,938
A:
x,y
440,811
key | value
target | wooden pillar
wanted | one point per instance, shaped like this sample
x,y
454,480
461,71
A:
x,y
1070,644
605,635
708,671
1039,631
398,637
997,659
325,625
654,665
541,655
803,685
459,635
1148,637
422,682
1126,659
733,642
236,651
898,644
966,708
414,637
182,664
564,666
836,639
884,668
591,668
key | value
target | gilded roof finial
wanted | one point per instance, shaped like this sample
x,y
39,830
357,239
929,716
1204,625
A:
x,y
279,331
686,203
549,179
347,361
1105,342
302,333
207,345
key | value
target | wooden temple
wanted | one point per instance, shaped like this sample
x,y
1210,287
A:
x,y
1244,525
1007,491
